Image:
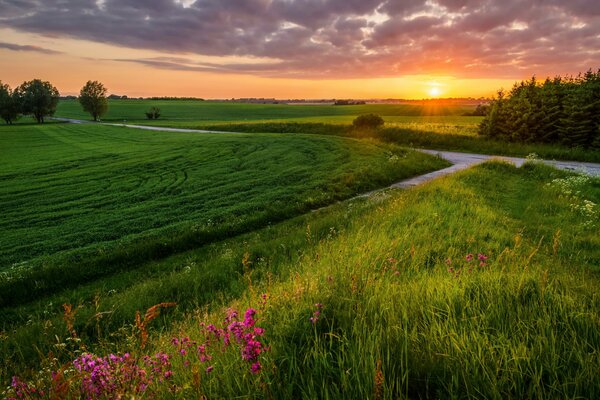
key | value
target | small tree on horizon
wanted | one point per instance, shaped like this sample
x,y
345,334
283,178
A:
x,y
38,98
9,104
92,98
153,113
368,121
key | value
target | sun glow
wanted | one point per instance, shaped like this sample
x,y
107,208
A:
x,y
434,91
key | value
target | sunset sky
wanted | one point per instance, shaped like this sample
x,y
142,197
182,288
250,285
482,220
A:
x,y
296,48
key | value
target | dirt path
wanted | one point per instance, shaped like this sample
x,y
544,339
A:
x,y
145,127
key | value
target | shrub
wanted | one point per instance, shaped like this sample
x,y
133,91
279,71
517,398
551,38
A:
x,y
368,121
153,113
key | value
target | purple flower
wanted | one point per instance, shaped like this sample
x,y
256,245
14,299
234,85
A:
x,y
209,369
259,331
316,313
469,257
256,367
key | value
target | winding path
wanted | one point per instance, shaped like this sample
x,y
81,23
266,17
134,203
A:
x,y
459,161
462,161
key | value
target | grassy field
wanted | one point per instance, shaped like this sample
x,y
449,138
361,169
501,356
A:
x,y
398,308
439,128
125,253
183,111
198,114
72,194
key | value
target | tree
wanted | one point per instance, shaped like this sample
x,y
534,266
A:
x,y
92,98
38,98
9,105
368,121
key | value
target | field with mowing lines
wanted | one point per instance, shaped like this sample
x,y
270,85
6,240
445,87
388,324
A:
x,y
430,127
96,190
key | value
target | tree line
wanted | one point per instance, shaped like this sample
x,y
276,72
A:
x,y
36,98
40,98
562,110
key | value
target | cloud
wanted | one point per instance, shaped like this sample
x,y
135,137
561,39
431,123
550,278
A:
x,y
333,38
18,47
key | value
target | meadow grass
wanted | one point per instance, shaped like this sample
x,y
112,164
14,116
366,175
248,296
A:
x,y
402,312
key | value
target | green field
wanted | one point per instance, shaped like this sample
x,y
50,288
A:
x,y
190,110
372,297
431,127
84,189
199,114
525,325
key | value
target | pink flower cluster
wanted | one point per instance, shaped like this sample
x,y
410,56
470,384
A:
x,y
469,258
23,390
241,334
119,375
126,376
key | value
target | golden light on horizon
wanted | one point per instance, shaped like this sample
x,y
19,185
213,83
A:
x,y
434,91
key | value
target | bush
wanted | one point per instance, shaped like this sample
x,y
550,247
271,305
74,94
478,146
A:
x,y
153,113
368,121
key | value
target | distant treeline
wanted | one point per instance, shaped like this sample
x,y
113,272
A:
x,y
349,102
563,110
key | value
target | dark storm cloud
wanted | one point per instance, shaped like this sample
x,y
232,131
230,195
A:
x,y
333,38
18,47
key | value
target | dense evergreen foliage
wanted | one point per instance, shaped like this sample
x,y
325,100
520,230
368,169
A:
x,y
560,110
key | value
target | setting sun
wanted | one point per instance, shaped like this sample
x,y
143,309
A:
x,y
435,91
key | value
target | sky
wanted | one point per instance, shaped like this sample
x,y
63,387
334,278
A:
x,y
296,48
